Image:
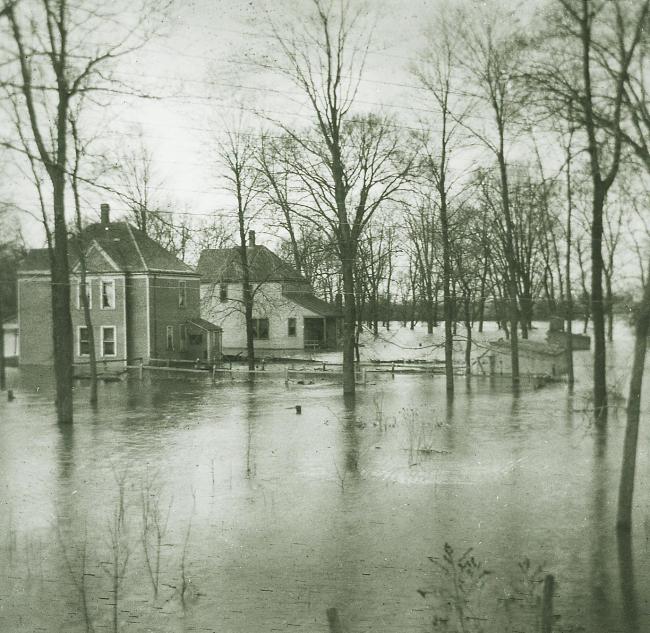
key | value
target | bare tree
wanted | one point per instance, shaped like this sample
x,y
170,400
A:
x,y
584,72
57,57
238,155
79,151
438,72
349,165
491,55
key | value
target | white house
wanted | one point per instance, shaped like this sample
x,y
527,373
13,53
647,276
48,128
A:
x,y
287,316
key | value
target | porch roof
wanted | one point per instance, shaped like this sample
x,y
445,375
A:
x,y
205,325
313,303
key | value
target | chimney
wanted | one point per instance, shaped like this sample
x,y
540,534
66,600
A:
x,y
251,238
105,210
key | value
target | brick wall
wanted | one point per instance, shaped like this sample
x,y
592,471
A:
x,y
35,320
165,311
100,317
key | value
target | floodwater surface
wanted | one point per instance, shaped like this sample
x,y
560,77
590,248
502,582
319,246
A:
x,y
180,505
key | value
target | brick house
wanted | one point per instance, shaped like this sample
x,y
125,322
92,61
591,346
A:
x,y
287,316
144,302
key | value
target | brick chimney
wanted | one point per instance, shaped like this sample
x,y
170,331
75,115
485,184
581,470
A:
x,y
105,213
251,238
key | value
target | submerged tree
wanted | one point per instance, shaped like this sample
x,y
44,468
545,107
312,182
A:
x,y
56,52
583,72
347,165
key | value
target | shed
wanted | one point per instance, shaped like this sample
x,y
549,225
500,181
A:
x,y
536,358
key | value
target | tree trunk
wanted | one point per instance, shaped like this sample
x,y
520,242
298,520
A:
x,y
61,320
3,371
446,290
597,309
610,307
569,297
626,489
348,325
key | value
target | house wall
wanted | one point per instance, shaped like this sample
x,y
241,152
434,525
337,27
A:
x,y
165,311
269,302
35,319
109,317
137,317
530,363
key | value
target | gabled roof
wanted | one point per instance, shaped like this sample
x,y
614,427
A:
x,y
125,246
223,265
313,303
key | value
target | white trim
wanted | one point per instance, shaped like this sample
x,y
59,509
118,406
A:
x,y
137,248
79,328
18,280
109,327
102,281
182,285
125,332
89,287
148,319
94,245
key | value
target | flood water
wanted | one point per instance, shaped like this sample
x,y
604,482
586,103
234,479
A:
x,y
253,518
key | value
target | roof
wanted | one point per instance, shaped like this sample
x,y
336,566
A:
x,y
205,325
222,265
36,259
130,249
313,303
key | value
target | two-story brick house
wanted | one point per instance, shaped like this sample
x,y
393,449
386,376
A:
x,y
287,316
144,302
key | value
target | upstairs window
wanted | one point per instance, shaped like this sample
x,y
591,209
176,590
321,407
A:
x,y
182,294
80,294
108,340
223,292
170,338
261,329
84,342
108,294
291,326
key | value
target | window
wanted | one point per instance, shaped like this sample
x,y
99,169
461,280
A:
x,y
182,293
291,329
108,340
89,294
182,330
84,342
223,292
196,339
170,338
108,295
261,328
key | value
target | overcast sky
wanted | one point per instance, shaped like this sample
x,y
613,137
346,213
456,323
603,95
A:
x,y
194,67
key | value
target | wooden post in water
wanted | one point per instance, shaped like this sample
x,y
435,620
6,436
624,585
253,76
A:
x,y
547,604
214,372
286,375
334,621
140,368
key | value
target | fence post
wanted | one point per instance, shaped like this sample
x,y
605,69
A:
x,y
286,375
263,364
140,368
214,371
547,604
324,366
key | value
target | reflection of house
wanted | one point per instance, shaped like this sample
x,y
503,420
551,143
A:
x,y
144,302
535,358
286,313
11,340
